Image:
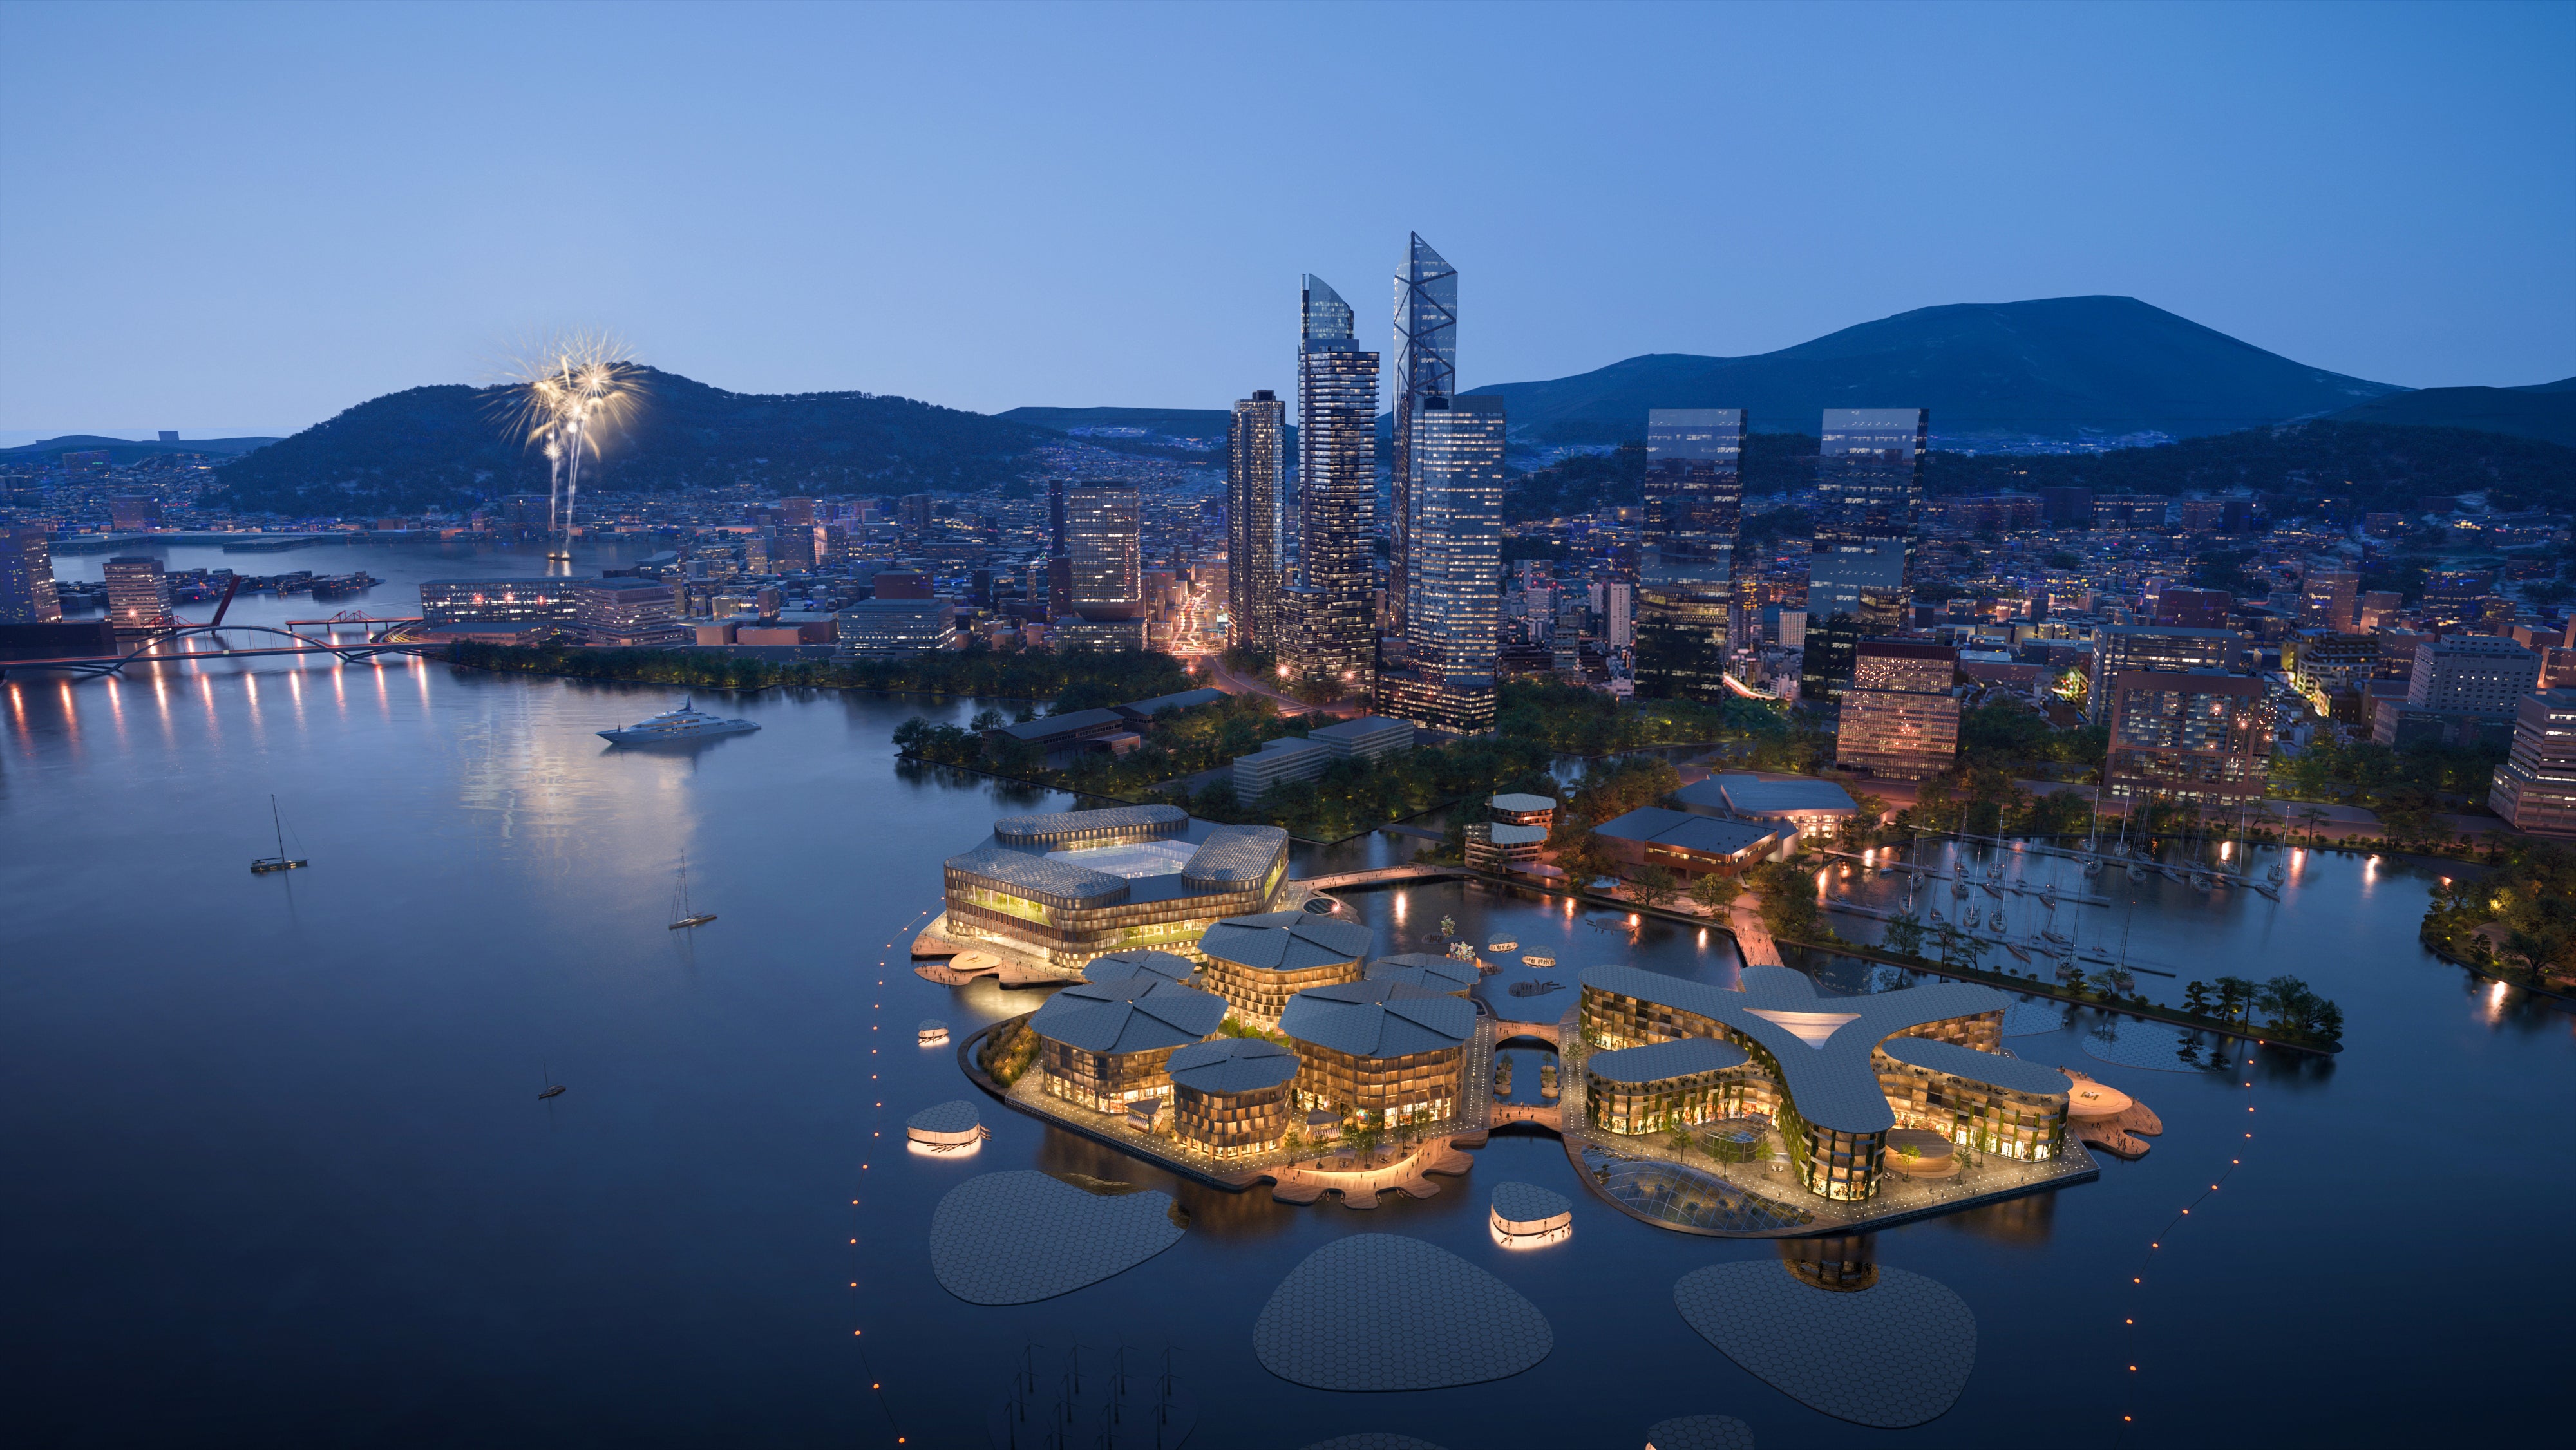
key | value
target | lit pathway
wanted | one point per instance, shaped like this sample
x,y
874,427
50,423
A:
x,y
1745,920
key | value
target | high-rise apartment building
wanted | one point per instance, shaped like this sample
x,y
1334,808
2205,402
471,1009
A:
x,y
2464,691
2168,648
138,595
2328,598
1900,717
1103,525
1426,365
1619,616
1694,505
1256,548
1869,489
1453,613
1336,485
27,579
2193,735
2535,788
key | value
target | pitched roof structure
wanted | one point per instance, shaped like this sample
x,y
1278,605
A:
x,y
1749,795
1143,961
1232,1065
1058,828
1707,835
1135,1014
1822,1044
1421,969
1659,1060
1234,856
1284,941
1378,1019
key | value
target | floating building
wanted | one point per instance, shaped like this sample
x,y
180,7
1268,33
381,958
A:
x,y
1258,962
1387,1049
1834,1074
1105,1045
1231,1098
1074,885
1430,973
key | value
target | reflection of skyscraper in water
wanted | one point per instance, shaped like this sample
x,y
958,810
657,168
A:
x,y
1255,548
1426,350
1869,489
1336,484
1694,503
1103,523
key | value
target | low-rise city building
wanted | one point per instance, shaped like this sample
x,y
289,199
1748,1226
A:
x,y
1233,1097
2535,789
2194,735
1810,809
1387,1050
1067,887
1105,1045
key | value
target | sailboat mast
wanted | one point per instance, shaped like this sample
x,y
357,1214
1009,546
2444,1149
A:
x,y
277,823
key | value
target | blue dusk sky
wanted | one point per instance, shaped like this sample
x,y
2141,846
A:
x,y
244,218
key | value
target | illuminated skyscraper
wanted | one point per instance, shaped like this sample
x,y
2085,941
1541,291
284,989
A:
x,y
27,579
1336,485
138,595
1694,503
1426,364
1256,452
1453,612
1102,522
1869,490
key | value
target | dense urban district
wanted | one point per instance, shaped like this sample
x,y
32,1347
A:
x,y
1315,615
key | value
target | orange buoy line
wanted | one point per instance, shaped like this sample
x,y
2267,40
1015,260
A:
x,y
858,1334
2155,1246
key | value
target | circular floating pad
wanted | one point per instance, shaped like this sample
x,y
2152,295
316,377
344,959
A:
x,y
1019,1237
2151,1046
1372,1440
1384,1312
1526,1208
949,1122
1701,1432
932,1032
1893,1355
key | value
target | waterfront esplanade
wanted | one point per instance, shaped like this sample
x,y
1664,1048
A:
x,y
1837,1064
1074,885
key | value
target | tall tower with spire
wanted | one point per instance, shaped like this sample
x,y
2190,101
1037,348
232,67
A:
x,y
1426,365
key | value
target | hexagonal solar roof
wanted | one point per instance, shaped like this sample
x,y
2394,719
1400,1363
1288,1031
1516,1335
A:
x,y
1119,966
1232,1065
1284,941
1378,1019
1438,974
1131,1014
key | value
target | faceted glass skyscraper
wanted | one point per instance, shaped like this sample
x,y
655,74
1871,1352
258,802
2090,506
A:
x,y
1336,485
1453,612
27,578
1426,364
1256,546
1694,505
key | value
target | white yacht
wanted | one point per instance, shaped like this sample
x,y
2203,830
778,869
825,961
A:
x,y
686,723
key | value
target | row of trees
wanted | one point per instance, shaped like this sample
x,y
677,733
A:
x,y
2288,1005
1076,679
2521,916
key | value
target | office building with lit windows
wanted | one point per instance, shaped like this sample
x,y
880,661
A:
x,y
1104,1045
1694,506
1258,962
1835,1075
1233,1097
27,579
2193,735
1103,524
1453,610
1900,717
1336,488
138,595
1869,494
501,601
2535,788
1064,888
2162,647
1256,542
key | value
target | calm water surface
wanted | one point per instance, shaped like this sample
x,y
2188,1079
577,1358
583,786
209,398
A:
x,y
278,1173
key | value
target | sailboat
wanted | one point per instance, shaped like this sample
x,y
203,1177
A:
x,y
680,914
281,861
552,1088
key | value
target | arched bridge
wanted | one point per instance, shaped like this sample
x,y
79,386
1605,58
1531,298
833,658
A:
x,y
383,641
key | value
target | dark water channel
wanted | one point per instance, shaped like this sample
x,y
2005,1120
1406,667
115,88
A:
x,y
278,1173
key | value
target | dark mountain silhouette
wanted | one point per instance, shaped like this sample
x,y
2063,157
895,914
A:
x,y
125,450
2542,410
2061,368
446,445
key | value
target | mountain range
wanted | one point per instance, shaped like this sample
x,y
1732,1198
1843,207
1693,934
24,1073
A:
x,y
122,451
2062,368
2545,411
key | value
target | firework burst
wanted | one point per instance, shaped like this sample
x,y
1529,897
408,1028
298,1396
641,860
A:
x,y
567,396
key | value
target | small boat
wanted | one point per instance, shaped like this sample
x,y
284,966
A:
x,y
2016,951
1995,924
2066,970
677,726
1995,872
551,1089
281,861
681,916
1968,919
1959,888
1935,914
2137,872
2276,875
2058,938
2093,866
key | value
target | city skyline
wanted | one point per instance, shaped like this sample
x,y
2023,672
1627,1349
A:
x,y
2080,176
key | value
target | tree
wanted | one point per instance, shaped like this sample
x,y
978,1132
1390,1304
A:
x,y
1653,885
1904,936
2234,994
1714,891
2195,998
1788,901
